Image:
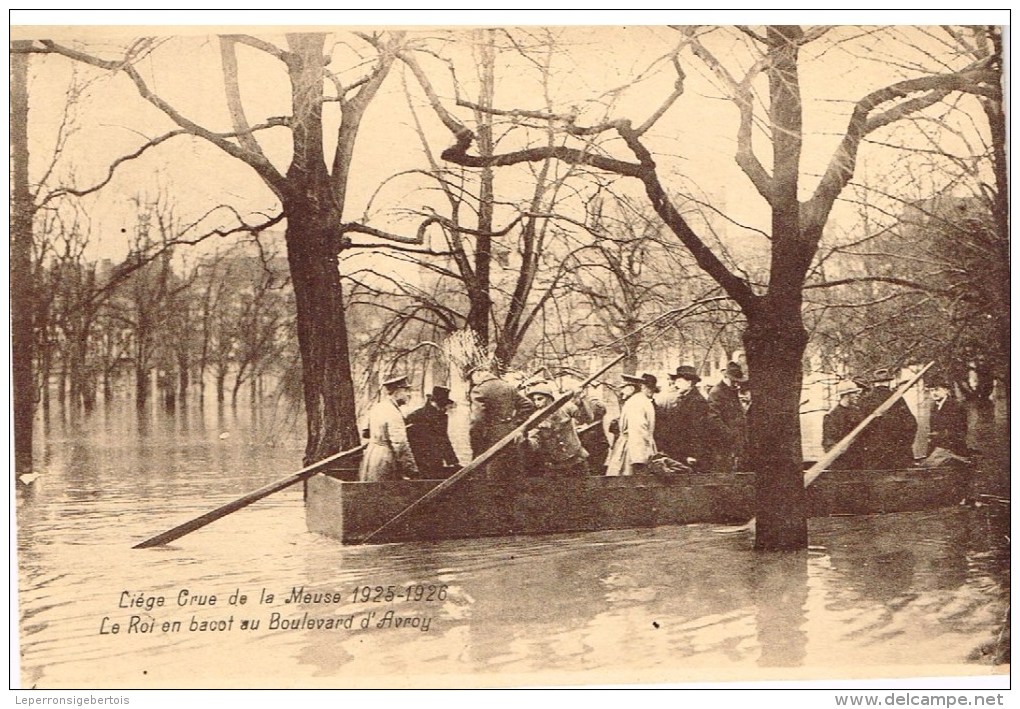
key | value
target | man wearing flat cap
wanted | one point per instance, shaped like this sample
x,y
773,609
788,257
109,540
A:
x,y
841,420
388,454
556,450
428,434
727,416
635,439
888,441
681,419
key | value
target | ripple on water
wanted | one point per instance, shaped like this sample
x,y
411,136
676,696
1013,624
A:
x,y
874,591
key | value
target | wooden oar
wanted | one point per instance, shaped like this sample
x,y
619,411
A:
x,y
265,491
533,420
823,463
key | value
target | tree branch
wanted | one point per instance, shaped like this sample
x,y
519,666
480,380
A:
x,y
263,167
841,166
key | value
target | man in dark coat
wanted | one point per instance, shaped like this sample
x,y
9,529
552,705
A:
x,y
497,408
841,420
948,421
682,420
727,416
888,441
429,438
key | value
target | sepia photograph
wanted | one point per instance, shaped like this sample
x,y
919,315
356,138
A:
x,y
496,349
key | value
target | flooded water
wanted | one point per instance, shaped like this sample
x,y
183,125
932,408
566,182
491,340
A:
x,y
919,594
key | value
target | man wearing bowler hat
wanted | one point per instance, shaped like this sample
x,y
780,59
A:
x,y
727,415
388,455
635,440
428,434
681,418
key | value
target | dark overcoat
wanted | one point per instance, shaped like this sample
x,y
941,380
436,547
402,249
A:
x,y
729,426
948,426
682,426
497,408
888,441
430,441
837,423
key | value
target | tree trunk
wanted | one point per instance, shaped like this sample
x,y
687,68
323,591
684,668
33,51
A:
x,y
995,113
321,327
183,378
480,309
46,365
775,348
142,374
22,297
233,392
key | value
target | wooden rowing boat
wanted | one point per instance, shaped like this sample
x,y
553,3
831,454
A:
x,y
351,511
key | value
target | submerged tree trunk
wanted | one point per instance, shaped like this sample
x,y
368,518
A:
x,y
321,328
22,297
775,348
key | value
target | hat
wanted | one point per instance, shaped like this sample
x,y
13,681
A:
x,y
398,382
881,375
687,372
645,378
441,397
542,388
734,372
847,387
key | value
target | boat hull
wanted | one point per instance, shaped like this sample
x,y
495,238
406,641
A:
x,y
350,511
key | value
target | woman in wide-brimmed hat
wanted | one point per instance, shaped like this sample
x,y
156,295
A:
x,y
635,442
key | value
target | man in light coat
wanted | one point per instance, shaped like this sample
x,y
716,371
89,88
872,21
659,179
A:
x,y
388,454
635,440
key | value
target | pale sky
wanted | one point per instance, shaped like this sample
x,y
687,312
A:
x,y
693,143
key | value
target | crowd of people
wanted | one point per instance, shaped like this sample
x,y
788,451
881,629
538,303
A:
x,y
669,429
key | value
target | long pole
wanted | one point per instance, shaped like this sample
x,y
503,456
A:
x,y
265,491
844,444
533,420
823,463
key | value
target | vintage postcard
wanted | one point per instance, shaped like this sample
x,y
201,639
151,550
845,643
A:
x,y
545,350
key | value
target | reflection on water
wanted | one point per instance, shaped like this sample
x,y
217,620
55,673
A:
x,y
678,603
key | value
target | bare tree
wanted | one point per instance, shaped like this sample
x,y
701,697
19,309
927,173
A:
x,y
775,336
494,279
311,191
